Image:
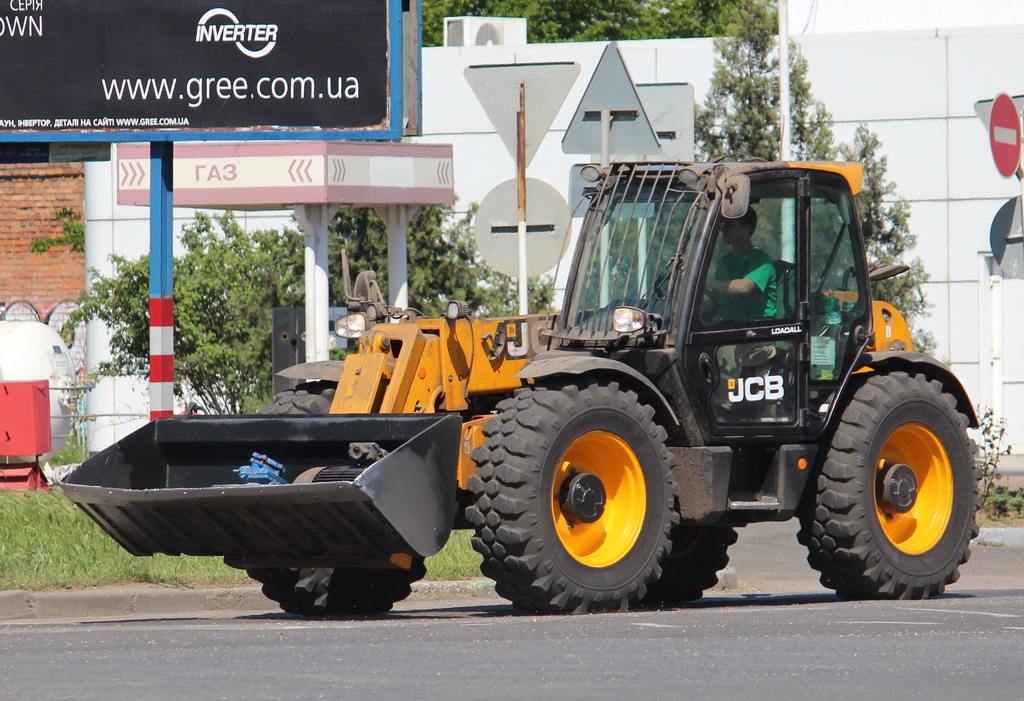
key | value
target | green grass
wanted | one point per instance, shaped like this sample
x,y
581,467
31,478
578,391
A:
x,y
46,542
73,451
457,560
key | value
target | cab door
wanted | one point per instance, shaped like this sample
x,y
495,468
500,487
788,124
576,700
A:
x,y
743,354
839,299
778,373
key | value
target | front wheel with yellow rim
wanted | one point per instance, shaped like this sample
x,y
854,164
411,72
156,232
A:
x,y
896,495
573,498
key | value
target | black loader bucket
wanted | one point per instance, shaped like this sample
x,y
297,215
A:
x,y
353,490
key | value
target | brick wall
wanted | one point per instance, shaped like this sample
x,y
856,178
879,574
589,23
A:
x,y
29,195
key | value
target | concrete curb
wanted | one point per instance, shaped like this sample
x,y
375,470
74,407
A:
x,y
1000,536
424,590
20,605
128,601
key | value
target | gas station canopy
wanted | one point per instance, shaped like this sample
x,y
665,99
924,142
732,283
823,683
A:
x,y
278,175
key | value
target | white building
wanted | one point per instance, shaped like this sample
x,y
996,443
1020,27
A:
x,y
914,86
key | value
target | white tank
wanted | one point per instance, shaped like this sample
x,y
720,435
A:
x,y
30,350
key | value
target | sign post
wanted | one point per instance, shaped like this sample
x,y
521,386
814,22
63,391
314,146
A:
x,y
161,280
524,294
152,70
1006,239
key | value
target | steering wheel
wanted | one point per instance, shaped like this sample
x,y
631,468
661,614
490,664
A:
x,y
709,306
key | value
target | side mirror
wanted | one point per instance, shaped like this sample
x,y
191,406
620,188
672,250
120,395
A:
x,y
366,286
881,272
735,193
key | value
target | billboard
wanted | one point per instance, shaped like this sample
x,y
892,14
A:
x,y
145,70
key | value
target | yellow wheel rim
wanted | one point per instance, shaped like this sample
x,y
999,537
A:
x,y
919,529
607,540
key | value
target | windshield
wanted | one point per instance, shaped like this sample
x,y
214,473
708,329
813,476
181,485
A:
x,y
633,242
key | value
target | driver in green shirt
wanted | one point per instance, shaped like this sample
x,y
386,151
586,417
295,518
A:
x,y
744,279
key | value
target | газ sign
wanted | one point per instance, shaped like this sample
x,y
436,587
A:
x,y
269,66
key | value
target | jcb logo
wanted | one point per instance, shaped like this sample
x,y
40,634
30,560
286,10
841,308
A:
x,y
517,340
756,389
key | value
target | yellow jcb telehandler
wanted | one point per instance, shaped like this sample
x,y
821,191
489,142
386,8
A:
x,y
718,361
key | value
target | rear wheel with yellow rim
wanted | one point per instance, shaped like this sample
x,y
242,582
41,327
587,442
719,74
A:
x,y
573,498
698,554
894,509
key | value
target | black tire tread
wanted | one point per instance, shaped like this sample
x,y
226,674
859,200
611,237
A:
x,y
325,591
308,399
691,569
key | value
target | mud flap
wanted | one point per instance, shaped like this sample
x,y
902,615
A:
x,y
171,487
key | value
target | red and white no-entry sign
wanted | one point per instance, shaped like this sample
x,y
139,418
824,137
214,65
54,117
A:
x,y
1004,135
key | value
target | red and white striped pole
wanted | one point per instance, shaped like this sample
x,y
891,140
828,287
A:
x,y
161,280
161,357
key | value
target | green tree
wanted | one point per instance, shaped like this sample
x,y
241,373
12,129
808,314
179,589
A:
x,y
72,233
596,20
443,263
225,286
741,112
694,18
885,221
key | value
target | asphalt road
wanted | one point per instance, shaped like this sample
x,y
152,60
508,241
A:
x,y
965,646
779,635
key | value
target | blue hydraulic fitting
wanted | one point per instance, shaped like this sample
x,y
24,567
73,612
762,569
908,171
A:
x,y
262,470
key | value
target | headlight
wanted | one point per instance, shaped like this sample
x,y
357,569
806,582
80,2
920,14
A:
x,y
628,319
456,309
350,325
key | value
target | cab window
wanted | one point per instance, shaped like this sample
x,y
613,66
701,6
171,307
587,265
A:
x,y
751,274
836,299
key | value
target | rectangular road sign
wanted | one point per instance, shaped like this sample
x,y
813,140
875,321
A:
x,y
277,175
54,153
147,70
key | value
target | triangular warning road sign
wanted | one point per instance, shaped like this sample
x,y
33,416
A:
x,y
497,88
611,88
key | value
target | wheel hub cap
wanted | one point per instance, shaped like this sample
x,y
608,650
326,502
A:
x,y
898,487
583,498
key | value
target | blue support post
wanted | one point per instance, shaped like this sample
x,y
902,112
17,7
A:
x,y
161,279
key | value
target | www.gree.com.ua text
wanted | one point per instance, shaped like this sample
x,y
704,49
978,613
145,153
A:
x,y
198,90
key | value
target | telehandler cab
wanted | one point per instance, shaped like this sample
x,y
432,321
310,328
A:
x,y
718,361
